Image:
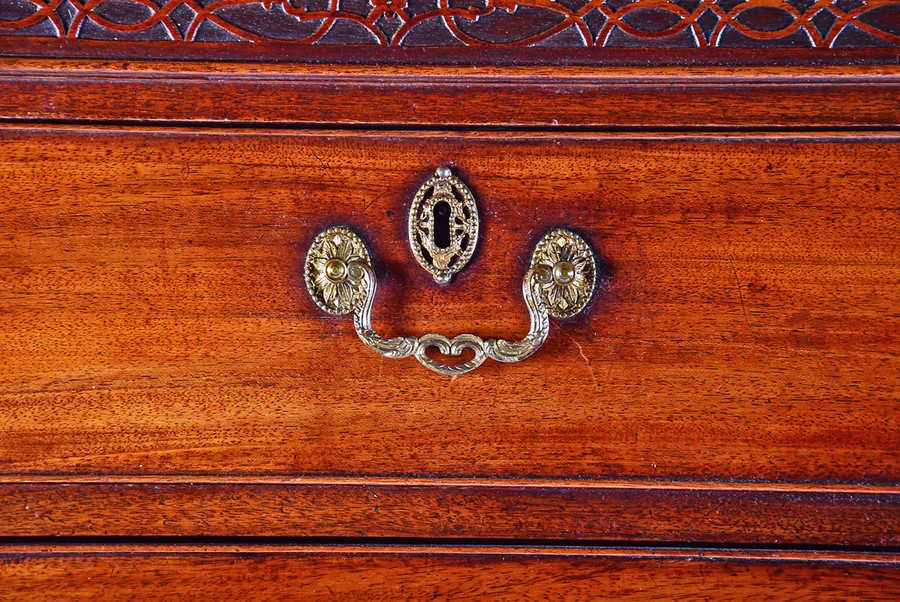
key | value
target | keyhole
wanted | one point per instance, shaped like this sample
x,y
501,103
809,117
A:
x,y
442,224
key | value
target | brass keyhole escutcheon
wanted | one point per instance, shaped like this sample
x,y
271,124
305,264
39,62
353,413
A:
x,y
443,225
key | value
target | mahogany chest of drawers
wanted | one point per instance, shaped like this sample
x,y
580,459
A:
x,y
670,229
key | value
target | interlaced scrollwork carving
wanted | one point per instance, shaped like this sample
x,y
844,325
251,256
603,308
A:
x,y
436,23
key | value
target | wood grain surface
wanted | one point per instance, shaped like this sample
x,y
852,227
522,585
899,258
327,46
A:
x,y
858,96
178,419
515,510
154,320
436,572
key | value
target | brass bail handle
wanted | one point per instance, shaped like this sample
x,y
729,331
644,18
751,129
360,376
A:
x,y
559,283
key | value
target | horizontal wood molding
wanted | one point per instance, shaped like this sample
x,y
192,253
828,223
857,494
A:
x,y
294,54
621,97
459,573
307,508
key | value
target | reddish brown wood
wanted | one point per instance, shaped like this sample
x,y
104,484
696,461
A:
x,y
301,54
609,97
155,321
163,372
581,24
712,513
474,573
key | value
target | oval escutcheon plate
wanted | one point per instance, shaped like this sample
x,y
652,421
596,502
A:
x,y
565,272
443,225
330,273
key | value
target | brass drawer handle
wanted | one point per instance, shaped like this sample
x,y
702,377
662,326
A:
x,y
559,283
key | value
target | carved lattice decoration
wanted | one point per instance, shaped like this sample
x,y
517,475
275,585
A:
x,y
446,23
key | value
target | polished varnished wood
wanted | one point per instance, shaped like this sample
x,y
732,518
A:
x,y
155,321
503,32
501,510
438,572
474,96
178,420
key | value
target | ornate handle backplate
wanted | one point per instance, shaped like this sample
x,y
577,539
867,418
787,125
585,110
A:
x,y
559,284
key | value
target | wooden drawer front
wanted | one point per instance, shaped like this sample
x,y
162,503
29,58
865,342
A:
x,y
155,324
